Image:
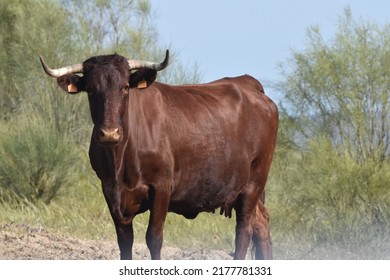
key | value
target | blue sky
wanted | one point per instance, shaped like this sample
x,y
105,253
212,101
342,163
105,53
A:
x,y
235,37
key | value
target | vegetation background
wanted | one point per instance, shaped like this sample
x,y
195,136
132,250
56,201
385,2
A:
x,y
329,187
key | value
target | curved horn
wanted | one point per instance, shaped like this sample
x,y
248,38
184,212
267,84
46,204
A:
x,y
56,73
137,64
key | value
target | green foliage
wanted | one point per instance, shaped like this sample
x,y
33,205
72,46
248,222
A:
x,y
333,197
341,87
24,35
35,162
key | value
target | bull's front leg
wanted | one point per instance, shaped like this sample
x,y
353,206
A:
x,y
158,213
125,237
124,230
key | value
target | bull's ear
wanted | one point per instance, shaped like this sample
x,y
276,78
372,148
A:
x,y
71,83
142,78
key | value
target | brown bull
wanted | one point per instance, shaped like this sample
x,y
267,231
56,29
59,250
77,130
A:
x,y
185,149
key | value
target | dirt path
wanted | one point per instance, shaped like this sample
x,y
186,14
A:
x,y
19,242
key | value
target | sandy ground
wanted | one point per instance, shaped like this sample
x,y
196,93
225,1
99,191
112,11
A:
x,y
22,242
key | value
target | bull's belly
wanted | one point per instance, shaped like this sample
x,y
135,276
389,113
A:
x,y
206,197
189,205
210,180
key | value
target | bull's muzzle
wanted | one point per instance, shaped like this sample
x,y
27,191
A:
x,y
109,135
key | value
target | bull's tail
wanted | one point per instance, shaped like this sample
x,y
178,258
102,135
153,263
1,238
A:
x,y
262,245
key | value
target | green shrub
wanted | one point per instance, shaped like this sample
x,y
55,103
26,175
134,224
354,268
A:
x,y
36,162
324,197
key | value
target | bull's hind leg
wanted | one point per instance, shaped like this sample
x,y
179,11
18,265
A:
x,y
260,219
261,234
245,208
252,216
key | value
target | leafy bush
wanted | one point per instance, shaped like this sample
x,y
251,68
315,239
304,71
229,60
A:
x,y
36,162
340,87
324,196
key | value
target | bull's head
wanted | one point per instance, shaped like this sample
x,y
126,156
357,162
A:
x,y
107,80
